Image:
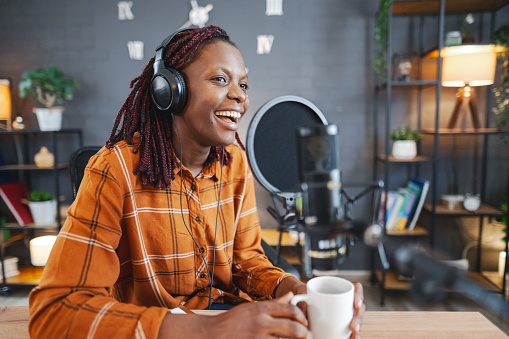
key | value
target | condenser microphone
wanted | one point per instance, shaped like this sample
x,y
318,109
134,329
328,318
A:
x,y
320,177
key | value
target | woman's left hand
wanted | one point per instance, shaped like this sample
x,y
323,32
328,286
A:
x,y
358,311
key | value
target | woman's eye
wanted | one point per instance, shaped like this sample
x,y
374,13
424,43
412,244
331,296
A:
x,y
245,87
220,79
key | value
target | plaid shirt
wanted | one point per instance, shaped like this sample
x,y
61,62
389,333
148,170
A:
x,y
124,256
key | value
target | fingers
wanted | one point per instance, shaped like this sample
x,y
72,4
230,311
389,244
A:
x,y
359,309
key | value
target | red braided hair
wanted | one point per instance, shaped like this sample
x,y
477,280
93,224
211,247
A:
x,y
139,114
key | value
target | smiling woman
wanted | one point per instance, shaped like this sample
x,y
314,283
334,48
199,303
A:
x,y
165,217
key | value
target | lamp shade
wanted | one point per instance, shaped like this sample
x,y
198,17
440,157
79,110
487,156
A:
x,y
472,65
40,249
5,99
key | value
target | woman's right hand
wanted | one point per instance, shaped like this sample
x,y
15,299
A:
x,y
265,319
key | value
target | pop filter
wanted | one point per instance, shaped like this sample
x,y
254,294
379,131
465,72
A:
x,y
271,143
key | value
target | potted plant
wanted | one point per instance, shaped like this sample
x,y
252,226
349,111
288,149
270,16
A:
x,y
404,146
49,87
43,207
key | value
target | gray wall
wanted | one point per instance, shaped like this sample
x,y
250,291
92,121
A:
x,y
322,51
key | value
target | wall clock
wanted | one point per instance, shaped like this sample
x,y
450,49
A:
x,y
264,42
198,16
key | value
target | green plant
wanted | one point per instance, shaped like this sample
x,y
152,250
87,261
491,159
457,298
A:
x,y
503,220
501,92
48,86
404,132
40,196
382,40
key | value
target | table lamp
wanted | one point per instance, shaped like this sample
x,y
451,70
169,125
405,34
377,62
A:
x,y
5,103
465,67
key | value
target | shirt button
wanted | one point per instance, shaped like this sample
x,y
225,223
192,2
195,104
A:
x,y
198,219
202,250
193,187
202,290
202,275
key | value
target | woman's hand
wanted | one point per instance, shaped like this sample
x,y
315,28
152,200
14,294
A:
x,y
265,319
358,311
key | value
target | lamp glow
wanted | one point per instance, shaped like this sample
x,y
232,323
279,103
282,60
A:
x,y
472,65
467,66
40,249
5,102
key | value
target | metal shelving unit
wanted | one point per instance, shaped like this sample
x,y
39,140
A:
x,y
387,279
30,275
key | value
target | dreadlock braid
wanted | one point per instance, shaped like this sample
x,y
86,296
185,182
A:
x,y
139,114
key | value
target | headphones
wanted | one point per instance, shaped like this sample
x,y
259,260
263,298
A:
x,y
168,87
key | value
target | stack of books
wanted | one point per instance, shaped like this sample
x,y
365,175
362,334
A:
x,y
11,267
404,205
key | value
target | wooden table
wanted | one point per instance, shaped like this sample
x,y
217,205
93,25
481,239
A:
x,y
379,324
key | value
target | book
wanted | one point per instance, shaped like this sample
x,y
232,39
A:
x,y
420,187
11,267
394,212
12,193
406,208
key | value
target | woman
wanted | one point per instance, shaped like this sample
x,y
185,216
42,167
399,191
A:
x,y
166,217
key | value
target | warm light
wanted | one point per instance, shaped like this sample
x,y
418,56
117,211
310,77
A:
x,y
40,249
472,65
5,100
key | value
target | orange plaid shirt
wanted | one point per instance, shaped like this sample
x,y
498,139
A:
x,y
124,257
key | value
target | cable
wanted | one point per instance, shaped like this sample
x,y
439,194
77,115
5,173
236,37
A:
x,y
217,216
183,219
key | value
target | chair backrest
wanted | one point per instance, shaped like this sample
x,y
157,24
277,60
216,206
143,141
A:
x,y
77,163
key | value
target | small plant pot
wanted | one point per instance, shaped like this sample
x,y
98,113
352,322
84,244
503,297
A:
x,y
404,149
49,119
43,212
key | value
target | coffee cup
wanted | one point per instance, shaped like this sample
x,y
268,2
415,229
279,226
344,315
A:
x,y
330,307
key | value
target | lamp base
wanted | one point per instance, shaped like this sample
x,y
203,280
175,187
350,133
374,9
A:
x,y
465,93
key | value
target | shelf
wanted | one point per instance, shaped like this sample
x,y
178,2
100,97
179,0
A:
x,y
411,84
461,131
418,231
451,6
484,210
16,227
29,275
31,167
393,282
419,158
37,131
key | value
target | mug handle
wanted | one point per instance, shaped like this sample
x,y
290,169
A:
x,y
298,298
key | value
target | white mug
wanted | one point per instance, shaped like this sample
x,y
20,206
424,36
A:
x,y
330,307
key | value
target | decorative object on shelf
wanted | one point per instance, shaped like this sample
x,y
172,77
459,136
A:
x,y
501,110
5,103
44,158
40,249
404,146
405,67
465,67
452,201
453,38
11,267
42,207
18,123
48,86
381,40
467,29
472,202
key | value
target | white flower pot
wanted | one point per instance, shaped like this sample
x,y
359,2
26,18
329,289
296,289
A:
x,y
40,249
43,212
49,119
404,149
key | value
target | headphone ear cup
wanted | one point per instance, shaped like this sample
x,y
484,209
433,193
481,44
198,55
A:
x,y
168,90
182,91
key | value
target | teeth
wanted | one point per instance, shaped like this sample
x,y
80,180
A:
x,y
231,114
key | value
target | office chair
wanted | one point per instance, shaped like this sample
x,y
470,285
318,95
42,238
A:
x,y
78,162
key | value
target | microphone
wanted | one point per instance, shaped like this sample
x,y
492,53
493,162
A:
x,y
323,217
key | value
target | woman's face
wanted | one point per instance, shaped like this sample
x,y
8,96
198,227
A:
x,y
216,83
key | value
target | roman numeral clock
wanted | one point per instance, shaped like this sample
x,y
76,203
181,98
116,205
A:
x,y
199,16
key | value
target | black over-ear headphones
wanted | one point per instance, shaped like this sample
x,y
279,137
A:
x,y
167,87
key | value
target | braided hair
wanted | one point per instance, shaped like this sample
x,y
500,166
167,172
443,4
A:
x,y
140,115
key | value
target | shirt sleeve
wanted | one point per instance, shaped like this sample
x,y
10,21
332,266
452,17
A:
x,y
252,270
75,296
